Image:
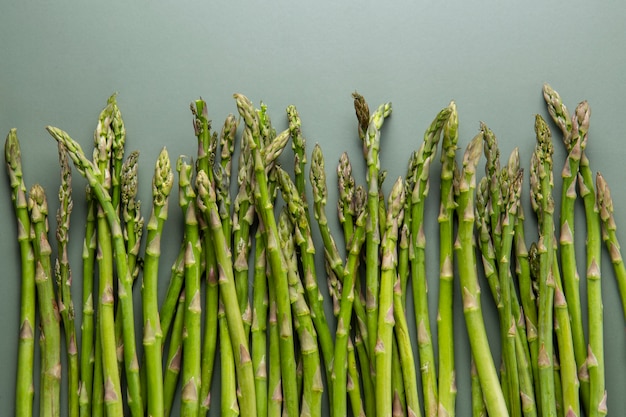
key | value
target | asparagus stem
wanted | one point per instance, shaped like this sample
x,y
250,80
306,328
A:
x,y
259,325
265,209
245,373
464,247
541,198
50,385
371,147
97,396
384,339
274,380
87,353
24,388
230,407
192,344
174,356
425,156
445,318
162,183
92,174
64,281
170,302
609,234
117,150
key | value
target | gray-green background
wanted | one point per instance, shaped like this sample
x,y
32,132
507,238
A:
x,y
59,62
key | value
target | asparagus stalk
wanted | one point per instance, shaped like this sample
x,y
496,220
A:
x,y
24,388
131,211
243,363
384,339
541,182
162,183
87,353
260,308
371,147
230,407
174,289
464,247
609,235
425,156
190,399
344,318
264,207
117,150
173,359
92,174
274,380
64,281
445,318
50,385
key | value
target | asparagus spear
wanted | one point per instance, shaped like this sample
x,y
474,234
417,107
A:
x,y
228,385
541,182
609,234
24,388
50,386
191,382
371,147
464,247
162,183
173,359
260,308
64,280
425,156
386,321
264,207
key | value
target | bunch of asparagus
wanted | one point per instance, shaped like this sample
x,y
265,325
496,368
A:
x,y
246,279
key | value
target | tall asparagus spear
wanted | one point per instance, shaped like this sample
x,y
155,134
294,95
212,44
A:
x,y
464,247
264,208
260,309
541,182
24,388
50,385
425,155
162,183
64,280
574,140
609,234
371,147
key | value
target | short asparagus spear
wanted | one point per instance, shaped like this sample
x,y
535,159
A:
x,y
24,388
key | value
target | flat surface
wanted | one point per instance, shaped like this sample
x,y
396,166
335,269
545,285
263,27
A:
x,y
60,61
